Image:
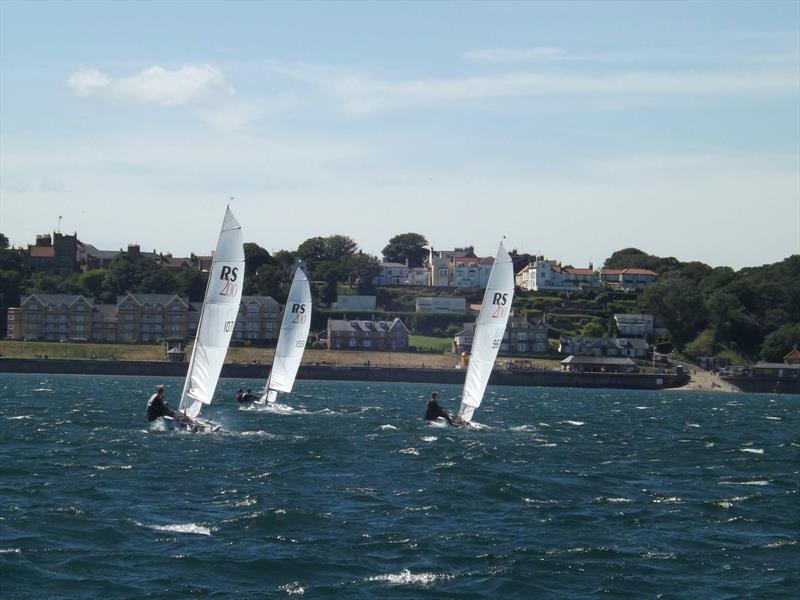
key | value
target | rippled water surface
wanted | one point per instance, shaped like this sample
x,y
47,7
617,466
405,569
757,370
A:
x,y
565,494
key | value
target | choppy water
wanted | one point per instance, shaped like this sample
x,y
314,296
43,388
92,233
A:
x,y
566,494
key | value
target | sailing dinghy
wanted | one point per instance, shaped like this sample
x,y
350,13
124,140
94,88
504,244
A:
x,y
291,339
217,320
489,330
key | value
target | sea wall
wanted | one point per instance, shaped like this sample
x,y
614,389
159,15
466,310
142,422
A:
x,y
764,385
321,372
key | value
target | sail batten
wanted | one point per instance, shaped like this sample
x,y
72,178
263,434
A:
x,y
489,330
292,338
217,318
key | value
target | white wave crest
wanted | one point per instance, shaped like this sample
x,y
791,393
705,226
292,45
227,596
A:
x,y
756,482
412,451
180,528
406,577
668,500
576,423
752,450
10,550
385,427
19,418
293,589
781,544
605,500
430,438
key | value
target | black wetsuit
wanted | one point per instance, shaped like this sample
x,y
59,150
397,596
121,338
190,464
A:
x,y
156,407
433,411
247,398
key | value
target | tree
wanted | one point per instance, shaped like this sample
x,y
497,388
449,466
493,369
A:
x,y
191,283
3,242
679,302
778,343
91,283
404,247
254,257
267,281
320,249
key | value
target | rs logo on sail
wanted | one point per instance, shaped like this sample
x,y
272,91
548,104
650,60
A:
x,y
299,312
499,300
229,275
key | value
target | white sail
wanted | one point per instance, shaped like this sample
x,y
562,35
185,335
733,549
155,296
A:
x,y
292,338
217,318
489,330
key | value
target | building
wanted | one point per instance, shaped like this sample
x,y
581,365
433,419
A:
x,y
56,254
392,274
598,364
259,319
90,257
51,317
148,318
441,305
793,357
549,275
387,336
627,280
135,318
354,302
419,276
520,337
593,346
634,325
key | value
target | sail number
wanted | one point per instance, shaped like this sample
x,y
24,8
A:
x,y
229,325
300,344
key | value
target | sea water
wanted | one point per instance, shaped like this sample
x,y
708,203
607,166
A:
x,y
346,493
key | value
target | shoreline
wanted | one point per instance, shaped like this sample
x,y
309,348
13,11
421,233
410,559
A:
x,y
521,378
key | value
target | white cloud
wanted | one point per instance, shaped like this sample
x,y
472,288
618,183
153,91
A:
x,y
360,92
88,82
154,85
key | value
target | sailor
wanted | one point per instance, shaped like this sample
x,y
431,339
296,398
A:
x,y
239,395
157,406
247,398
434,411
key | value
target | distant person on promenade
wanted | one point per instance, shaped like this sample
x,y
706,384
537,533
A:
x,y
433,411
157,406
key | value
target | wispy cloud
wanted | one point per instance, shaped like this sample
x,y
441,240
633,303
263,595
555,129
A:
x,y
154,85
360,92
501,55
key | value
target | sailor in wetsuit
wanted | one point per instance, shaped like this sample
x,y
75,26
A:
x,y
157,406
246,398
434,411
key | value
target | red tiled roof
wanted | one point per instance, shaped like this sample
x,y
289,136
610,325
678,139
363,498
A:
x,y
640,272
42,251
576,271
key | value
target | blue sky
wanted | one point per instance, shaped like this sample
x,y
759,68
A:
x,y
575,129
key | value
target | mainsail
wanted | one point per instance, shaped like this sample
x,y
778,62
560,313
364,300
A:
x,y
217,318
489,330
292,338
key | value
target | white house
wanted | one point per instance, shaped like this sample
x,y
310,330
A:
x,y
392,273
543,274
627,279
